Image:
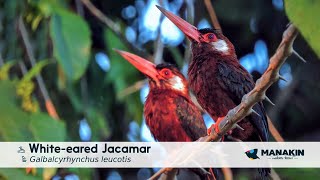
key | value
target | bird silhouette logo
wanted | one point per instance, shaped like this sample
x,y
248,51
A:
x,y
252,154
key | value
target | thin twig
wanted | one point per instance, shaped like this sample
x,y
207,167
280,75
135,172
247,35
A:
x,y
170,175
158,44
49,105
258,93
23,68
212,14
114,27
190,19
132,89
83,81
157,174
227,173
96,12
274,132
1,60
275,175
79,6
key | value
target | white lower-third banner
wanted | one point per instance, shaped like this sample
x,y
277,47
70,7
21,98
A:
x,y
160,154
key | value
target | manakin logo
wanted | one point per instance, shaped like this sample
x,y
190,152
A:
x,y
275,153
252,154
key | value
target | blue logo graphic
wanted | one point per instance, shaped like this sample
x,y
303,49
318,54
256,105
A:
x,y
252,154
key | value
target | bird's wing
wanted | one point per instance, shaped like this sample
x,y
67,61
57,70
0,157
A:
x,y
190,118
239,82
255,151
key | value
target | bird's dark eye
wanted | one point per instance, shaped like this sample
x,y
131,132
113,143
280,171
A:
x,y
211,36
166,72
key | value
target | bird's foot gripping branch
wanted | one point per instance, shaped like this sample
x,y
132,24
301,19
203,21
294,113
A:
x,y
258,94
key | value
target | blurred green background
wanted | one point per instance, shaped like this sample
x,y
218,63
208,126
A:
x,y
60,80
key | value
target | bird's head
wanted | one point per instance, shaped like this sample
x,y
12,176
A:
x,y
203,40
162,76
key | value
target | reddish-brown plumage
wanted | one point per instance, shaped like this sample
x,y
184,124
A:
x,y
169,112
217,78
219,81
173,117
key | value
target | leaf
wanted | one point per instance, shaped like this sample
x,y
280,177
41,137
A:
x,y
47,7
303,14
9,173
46,129
71,43
35,70
18,125
14,121
98,124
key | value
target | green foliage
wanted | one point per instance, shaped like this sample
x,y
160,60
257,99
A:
x,y
301,173
8,174
45,129
35,70
98,124
304,14
71,43
14,121
25,87
47,7
4,70
122,75
17,125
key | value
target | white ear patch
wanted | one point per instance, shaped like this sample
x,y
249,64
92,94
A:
x,y
221,46
177,83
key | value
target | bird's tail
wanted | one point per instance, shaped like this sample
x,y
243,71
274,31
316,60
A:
x,y
264,173
206,174
212,174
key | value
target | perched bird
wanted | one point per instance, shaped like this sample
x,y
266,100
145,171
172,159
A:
x,y
219,81
169,112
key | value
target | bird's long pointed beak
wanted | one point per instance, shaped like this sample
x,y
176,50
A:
x,y
189,30
143,65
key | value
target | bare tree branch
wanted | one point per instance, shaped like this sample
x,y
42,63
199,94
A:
x,y
259,92
170,175
158,44
227,173
1,60
159,47
274,132
133,88
190,19
161,171
256,95
83,81
48,102
212,14
187,54
114,27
